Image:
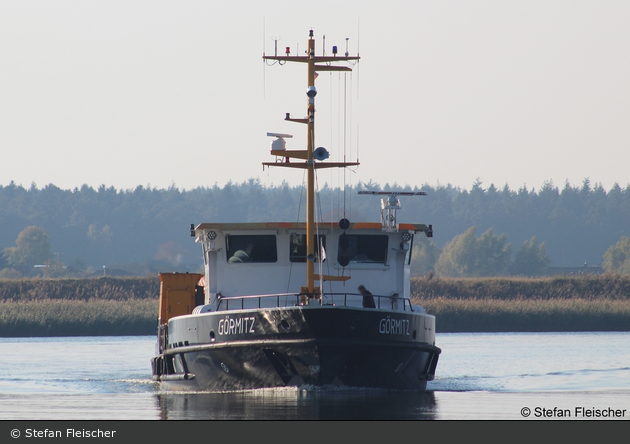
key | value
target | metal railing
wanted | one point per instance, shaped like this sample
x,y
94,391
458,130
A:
x,y
328,299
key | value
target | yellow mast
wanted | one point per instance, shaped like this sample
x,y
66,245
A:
x,y
311,59
310,195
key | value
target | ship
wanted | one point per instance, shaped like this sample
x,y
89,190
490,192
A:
x,y
298,304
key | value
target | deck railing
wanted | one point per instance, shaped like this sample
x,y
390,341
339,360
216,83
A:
x,y
295,299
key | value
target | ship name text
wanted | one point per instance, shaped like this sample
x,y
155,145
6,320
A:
x,y
391,326
236,326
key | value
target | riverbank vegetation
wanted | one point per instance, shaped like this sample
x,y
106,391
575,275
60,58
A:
x,y
129,306
56,317
580,303
102,306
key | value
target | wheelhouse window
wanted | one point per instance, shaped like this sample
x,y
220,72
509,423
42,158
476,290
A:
x,y
251,248
297,244
362,248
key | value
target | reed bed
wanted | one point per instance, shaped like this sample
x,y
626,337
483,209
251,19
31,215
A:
x,y
594,287
531,315
562,303
129,306
55,317
80,289
102,306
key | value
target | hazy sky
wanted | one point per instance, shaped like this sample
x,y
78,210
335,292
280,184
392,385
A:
x,y
161,93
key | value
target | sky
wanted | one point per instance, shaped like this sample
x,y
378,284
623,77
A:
x,y
175,93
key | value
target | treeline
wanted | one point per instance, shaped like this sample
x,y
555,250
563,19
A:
x,y
89,229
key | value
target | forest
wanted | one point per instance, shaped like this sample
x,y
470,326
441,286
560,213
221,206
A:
x,y
481,231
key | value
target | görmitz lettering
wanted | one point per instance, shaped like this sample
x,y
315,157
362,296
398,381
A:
x,y
393,326
236,325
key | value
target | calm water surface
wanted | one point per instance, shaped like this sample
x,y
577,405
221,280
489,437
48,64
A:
x,y
479,376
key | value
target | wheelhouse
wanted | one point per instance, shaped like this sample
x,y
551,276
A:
x,y
269,258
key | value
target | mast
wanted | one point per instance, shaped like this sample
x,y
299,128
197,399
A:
x,y
310,187
311,154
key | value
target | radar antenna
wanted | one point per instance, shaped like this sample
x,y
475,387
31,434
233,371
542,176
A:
x,y
391,204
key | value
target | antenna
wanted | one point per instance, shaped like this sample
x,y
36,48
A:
x,y
390,205
394,193
279,143
288,136
358,34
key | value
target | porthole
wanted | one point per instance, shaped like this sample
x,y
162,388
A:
x,y
225,368
212,338
285,325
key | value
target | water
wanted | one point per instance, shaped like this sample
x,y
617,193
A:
x,y
479,377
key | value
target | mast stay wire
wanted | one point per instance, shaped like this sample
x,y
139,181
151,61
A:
x,y
319,241
297,221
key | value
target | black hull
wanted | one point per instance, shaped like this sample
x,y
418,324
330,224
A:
x,y
328,347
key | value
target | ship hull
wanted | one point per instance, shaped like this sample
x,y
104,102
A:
x,y
297,346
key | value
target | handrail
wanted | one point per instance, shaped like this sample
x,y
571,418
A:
x,y
406,302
